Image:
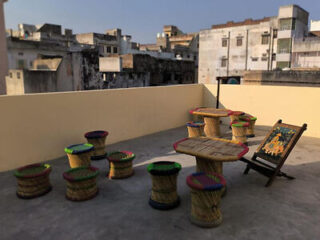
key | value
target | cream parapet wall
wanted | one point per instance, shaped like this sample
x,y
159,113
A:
x,y
37,127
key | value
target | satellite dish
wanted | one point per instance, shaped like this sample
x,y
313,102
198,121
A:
x,y
232,81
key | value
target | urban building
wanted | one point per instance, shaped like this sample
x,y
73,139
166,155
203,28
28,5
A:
x,y
227,50
3,51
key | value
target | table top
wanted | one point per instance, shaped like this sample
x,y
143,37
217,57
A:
x,y
215,149
211,112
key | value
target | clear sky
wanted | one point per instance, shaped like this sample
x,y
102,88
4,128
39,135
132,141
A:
x,y
143,19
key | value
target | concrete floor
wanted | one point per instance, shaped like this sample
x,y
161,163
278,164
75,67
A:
x,y
286,210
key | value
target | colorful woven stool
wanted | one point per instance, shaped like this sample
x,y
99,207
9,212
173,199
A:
x,y
81,183
239,130
164,184
33,180
195,129
235,115
97,139
252,121
206,191
79,154
120,164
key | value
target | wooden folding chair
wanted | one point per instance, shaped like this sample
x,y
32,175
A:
x,y
275,149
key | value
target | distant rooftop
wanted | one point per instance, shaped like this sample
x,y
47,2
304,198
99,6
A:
x,y
248,21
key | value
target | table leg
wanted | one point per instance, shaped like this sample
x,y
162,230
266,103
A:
x,y
212,126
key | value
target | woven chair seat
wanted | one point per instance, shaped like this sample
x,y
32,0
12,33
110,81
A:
x,y
239,124
120,156
79,148
33,170
81,174
96,134
163,168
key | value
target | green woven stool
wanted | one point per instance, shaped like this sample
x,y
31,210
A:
x,y
239,130
81,183
120,164
79,154
164,184
206,191
33,180
252,121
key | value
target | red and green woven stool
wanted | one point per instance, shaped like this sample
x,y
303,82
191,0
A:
x,y
79,155
239,131
195,129
252,121
235,115
33,180
81,183
97,139
164,194
120,164
206,191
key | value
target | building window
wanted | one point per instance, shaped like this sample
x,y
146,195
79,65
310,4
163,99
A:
x,y
275,33
195,58
264,39
197,45
264,59
254,59
115,50
10,74
239,41
287,24
108,49
20,53
224,42
18,75
188,56
224,62
273,57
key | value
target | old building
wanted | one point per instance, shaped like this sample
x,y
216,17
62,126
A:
x,y
3,51
227,50
139,70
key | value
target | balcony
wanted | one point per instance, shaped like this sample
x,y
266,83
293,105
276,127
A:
x,y
37,127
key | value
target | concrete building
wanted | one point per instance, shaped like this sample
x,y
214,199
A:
x,y
3,51
139,70
227,50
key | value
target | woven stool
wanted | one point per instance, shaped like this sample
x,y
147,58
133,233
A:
x,y
235,115
33,180
81,183
252,121
164,184
195,129
239,130
120,164
79,154
206,190
97,139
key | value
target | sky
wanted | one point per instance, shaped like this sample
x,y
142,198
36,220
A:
x,y
143,19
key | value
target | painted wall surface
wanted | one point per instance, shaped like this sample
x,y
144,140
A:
x,y
37,127
294,105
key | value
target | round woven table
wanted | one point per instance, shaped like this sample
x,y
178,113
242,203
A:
x,y
33,180
97,139
79,154
206,191
120,164
195,129
211,117
252,121
164,194
81,183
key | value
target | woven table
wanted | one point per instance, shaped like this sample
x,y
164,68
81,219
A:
x,y
33,180
235,115
79,154
81,183
164,184
97,139
252,121
239,131
120,164
206,191
211,117
195,129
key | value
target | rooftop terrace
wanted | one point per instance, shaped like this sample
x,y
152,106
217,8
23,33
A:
x,y
286,210
146,121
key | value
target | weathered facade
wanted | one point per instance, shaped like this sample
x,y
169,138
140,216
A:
x,y
3,51
227,50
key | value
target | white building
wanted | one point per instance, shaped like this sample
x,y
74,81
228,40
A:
x,y
3,51
227,50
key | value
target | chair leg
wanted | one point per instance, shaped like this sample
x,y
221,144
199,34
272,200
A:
x,y
282,174
246,171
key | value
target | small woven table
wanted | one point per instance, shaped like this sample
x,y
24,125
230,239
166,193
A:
x,y
211,117
33,180
252,121
164,184
120,164
239,131
195,129
97,139
81,183
206,191
79,154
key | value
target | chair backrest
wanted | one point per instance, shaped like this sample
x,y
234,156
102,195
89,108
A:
x,y
279,142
